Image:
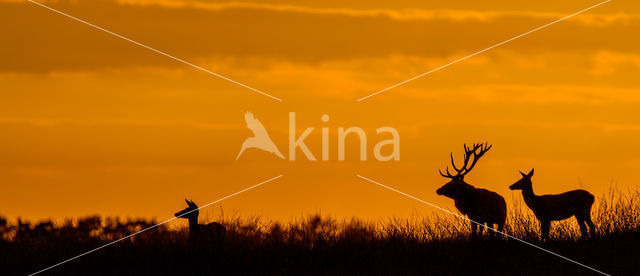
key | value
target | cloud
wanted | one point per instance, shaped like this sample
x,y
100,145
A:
x,y
42,41
533,94
610,63
77,122
501,77
591,19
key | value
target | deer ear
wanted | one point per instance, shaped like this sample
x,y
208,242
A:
x,y
531,172
523,175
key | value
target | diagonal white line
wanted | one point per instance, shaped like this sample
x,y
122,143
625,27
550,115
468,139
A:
x,y
483,50
157,51
482,225
154,226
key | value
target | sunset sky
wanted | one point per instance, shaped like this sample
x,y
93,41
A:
x,y
93,124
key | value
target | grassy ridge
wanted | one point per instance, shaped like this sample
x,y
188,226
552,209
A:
x,y
437,244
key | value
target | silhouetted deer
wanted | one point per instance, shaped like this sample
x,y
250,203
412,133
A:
x,y
480,205
213,231
548,208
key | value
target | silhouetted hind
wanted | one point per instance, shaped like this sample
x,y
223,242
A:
x,y
548,208
213,231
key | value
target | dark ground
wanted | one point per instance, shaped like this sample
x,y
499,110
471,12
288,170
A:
x,y
315,246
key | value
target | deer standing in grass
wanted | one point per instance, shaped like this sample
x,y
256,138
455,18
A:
x,y
548,208
213,231
480,205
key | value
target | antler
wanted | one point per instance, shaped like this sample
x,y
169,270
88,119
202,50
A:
x,y
448,175
476,155
468,151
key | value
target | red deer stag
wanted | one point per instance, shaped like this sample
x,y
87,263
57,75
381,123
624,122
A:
x,y
212,231
548,208
480,205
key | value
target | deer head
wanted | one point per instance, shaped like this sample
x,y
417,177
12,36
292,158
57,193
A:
x,y
524,182
189,212
453,187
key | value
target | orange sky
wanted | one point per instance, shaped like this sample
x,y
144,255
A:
x,y
91,123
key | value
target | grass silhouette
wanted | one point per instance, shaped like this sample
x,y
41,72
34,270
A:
x,y
435,244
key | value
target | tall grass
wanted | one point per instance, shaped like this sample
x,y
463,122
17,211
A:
x,y
437,243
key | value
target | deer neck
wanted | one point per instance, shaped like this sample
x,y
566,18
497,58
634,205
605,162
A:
x,y
464,198
529,197
193,223
467,190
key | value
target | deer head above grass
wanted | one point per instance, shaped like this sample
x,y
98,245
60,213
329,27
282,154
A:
x,y
200,232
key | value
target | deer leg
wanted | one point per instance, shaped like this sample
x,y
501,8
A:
x,y
583,227
489,226
474,229
500,228
493,233
480,230
586,220
592,227
544,229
